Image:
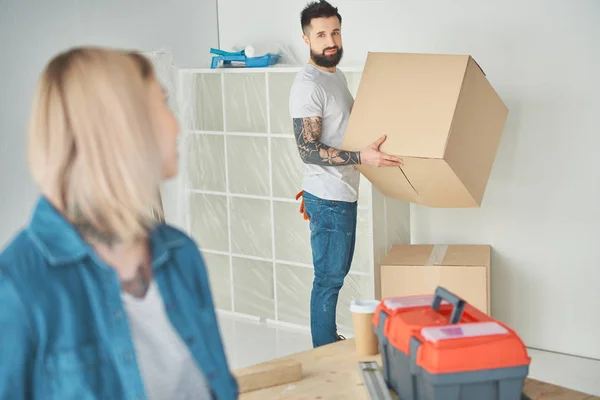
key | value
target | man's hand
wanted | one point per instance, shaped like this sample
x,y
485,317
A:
x,y
372,156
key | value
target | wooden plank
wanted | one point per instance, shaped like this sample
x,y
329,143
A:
x,y
331,372
537,390
268,374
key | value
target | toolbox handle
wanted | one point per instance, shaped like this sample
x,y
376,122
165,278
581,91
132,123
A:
x,y
458,304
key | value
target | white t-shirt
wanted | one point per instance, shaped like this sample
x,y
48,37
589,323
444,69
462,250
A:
x,y
166,365
318,93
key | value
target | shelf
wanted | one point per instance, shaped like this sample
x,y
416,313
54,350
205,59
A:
x,y
276,69
220,279
207,154
253,287
280,86
242,172
276,261
208,220
248,165
245,102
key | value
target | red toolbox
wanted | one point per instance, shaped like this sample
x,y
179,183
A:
x,y
440,348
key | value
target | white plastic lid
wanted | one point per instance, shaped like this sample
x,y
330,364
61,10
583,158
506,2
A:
x,y
458,331
364,306
394,303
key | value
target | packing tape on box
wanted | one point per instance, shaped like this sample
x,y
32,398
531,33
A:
x,y
438,253
436,258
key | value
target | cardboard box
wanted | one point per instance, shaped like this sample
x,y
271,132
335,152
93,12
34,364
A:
x,y
410,270
440,115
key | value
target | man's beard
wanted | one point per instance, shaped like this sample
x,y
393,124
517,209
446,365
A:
x,y
327,61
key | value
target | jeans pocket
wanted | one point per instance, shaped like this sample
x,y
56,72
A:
x,y
313,209
343,218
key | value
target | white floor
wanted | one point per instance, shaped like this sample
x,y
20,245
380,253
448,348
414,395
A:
x,y
248,342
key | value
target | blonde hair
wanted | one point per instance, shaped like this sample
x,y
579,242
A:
x,y
92,147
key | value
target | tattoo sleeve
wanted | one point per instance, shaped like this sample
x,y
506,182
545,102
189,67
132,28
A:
x,y
308,132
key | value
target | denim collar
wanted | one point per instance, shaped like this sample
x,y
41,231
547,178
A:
x,y
61,244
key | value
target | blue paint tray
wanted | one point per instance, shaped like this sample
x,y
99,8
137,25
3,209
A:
x,y
239,59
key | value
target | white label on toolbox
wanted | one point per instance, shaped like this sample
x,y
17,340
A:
x,y
409,301
457,331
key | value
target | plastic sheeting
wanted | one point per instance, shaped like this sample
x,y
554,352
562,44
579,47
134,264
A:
x,y
170,192
242,172
166,73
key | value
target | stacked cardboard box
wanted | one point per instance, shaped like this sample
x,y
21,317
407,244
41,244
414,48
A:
x,y
411,270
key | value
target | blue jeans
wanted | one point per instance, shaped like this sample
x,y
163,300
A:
x,y
332,238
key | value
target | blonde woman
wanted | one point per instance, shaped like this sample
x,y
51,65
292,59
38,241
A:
x,y
99,300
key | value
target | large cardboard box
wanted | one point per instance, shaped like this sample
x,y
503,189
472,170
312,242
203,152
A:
x,y
410,270
440,115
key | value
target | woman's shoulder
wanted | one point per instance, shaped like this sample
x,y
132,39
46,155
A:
x,y
175,238
21,271
21,256
172,235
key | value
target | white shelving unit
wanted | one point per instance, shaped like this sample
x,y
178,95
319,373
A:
x,y
241,172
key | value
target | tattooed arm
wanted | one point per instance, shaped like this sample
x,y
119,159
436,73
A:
x,y
306,108
312,151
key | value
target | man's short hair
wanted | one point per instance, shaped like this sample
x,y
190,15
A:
x,y
317,9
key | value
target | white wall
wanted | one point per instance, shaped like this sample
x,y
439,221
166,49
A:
x,y
541,212
33,31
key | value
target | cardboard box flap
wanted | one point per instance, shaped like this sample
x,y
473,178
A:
x,y
428,182
402,187
447,255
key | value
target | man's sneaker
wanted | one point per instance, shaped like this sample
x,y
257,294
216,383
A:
x,y
340,337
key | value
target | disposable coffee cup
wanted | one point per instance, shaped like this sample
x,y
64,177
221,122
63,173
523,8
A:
x,y
364,332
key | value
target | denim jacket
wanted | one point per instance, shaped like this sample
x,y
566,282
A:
x,y
64,333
